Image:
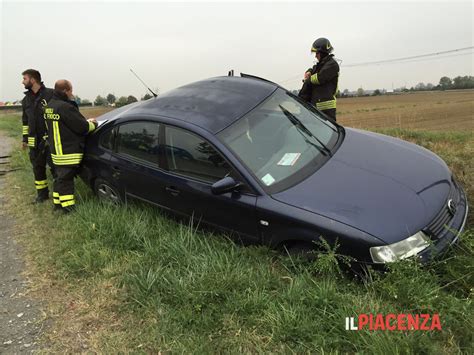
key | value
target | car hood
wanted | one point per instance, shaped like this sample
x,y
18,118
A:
x,y
381,185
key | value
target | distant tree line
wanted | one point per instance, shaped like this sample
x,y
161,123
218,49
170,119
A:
x,y
459,82
445,83
111,100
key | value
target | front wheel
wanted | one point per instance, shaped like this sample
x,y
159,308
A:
x,y
107,192
304,251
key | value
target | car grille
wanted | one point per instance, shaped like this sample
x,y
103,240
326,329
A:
x,y
436,228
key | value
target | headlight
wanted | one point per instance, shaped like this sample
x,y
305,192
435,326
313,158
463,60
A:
x,y
400,250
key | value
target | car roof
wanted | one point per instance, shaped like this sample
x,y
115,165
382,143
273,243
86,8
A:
x,y
212,104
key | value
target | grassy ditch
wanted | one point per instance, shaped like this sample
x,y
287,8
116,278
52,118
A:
x,y
129,279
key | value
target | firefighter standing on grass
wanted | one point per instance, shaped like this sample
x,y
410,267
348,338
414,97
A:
x,y
67,129
34,130
320,82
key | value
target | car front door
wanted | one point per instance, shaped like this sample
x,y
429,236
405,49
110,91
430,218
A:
x,y
193,165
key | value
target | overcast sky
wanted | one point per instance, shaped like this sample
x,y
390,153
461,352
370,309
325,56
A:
x,y
94,44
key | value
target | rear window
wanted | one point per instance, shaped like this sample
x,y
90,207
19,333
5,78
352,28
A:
x,y
139,140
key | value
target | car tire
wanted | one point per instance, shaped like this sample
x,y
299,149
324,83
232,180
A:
x,y
107,192
304,251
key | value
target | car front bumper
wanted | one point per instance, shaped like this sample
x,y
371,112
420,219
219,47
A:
x,y
450,231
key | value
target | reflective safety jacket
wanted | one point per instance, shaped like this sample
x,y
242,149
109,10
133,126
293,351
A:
x,y
324,83
34,129
67,129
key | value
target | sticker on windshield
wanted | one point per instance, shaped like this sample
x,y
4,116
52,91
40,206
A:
x,y
268,180
289,159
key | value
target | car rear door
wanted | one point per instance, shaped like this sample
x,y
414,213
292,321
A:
x,y
193,165
136,161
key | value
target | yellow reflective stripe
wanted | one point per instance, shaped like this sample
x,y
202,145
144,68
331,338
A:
x,y
66,197
31,141
72,162
41,184
74,155
57,139
25,130
55,194
326,105
332,104
67,159
325,108
314,79
56,201
67,203
67,163
91,126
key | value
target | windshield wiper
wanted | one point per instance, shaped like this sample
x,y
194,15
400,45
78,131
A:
x,y
297,123
304,136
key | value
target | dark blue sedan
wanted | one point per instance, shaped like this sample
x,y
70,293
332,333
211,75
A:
x,y
246,156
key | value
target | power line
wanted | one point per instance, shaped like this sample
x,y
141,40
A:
x,y
410,59
407,58
434,58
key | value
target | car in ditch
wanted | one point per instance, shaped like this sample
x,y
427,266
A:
x,y
248,157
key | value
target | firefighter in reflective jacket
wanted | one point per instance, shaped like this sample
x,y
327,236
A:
x,y
67,129
34,130
320,82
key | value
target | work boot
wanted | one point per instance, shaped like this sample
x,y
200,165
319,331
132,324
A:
x,y
68,209
57,208
43,195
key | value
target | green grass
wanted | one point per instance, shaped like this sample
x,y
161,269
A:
x,y
143,282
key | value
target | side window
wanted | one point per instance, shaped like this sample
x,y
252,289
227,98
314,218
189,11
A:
x,y
107,139
187,154
139,140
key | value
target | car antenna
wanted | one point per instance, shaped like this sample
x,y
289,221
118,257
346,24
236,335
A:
x,y
155,95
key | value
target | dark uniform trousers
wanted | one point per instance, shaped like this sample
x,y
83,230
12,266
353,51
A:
x,y
331,113
63,193
39,158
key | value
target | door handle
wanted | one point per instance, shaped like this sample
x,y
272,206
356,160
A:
x,y
172,190
115,171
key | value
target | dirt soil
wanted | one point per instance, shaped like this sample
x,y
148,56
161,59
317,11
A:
x,y
21,316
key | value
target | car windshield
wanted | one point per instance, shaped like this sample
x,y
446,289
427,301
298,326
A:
x,y
281,140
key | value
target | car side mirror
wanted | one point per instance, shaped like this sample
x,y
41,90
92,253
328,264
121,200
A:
x,y
224,185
